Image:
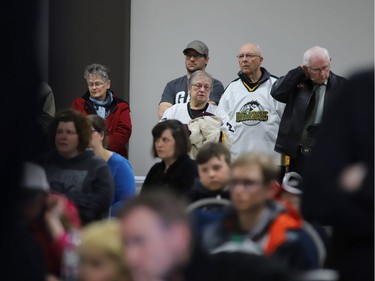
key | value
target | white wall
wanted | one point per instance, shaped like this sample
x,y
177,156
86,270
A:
x,y
160,30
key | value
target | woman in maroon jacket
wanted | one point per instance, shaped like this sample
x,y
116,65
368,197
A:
x,y
100,100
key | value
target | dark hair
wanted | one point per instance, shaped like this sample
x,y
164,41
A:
x,y
266,163
179,133
210,150
168,207
81,124
100,126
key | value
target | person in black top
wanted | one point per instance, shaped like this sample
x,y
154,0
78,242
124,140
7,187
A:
x,y
176,171
307,91
159,244
339,184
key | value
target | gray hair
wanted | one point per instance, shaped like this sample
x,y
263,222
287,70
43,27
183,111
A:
x,y
199,74
258,50
96,69
314,51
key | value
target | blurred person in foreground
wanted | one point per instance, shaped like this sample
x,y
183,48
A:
x,y
339,184
315,237
21,257
159,245
256,223
101,254
74,170
49,216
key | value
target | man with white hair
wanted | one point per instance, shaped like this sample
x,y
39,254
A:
x,y
307,91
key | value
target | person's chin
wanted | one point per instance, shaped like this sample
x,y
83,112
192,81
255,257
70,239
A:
x,y
214,187
192,69
97,97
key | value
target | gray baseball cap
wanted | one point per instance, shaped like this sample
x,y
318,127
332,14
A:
x,y
292,183
34,177
198,46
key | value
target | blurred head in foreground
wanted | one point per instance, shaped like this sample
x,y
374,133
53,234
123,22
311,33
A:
x,y
156,235
101,253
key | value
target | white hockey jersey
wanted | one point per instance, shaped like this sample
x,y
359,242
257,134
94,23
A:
x,y
255,116
181,112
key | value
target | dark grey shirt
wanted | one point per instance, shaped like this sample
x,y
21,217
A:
x,y
176,91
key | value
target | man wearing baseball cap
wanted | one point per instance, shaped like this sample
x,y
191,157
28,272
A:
x,y
196,58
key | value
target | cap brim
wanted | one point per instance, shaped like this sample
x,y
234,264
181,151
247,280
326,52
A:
x,y
290,182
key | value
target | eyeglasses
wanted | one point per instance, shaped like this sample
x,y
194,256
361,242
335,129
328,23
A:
x,y
198,86
194,56
96,84
318,70
247,183
250,56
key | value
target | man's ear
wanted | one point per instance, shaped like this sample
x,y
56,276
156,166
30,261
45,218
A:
x,y
306,71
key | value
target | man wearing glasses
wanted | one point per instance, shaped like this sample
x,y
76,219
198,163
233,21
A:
x,y
255,223
307,92
253,112
176,91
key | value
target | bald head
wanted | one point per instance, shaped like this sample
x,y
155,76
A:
x,y
250,48
250,59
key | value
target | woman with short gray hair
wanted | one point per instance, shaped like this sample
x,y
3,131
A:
x,y
99,99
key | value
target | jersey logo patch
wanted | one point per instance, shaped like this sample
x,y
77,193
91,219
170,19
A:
x,y
182,97
251,114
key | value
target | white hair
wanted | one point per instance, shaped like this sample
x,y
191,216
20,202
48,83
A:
x,y
258,49
314,51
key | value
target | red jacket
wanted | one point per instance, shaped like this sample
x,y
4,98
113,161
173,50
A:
x,y
119,124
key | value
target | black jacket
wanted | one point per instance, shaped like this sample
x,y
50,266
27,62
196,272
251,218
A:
x,y
178,178
226,234
347,139
198,191
296,90
234,266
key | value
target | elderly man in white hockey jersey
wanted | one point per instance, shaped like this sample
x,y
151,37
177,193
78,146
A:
x,y
253,112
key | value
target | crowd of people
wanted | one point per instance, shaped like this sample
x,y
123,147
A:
x,y
265,157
